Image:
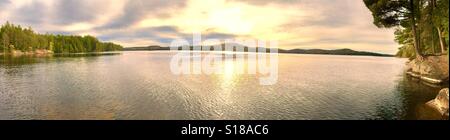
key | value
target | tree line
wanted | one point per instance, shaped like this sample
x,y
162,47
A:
x,y
421,25
14,37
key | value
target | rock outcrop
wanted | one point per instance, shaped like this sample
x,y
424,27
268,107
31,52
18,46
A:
x,y
440,104
433,69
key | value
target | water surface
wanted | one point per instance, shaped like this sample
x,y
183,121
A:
x,y
140,85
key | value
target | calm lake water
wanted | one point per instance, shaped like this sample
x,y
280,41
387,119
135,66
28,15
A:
x,y
140,85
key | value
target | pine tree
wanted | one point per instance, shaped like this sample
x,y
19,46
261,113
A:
x,y
25,39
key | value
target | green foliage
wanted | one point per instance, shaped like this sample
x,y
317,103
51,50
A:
x,y
434,25
388,13
14,37
404,37
428,17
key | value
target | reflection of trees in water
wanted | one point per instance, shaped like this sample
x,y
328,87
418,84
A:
x,y
17,65
12,65
389,110
9,60
74,55
412,95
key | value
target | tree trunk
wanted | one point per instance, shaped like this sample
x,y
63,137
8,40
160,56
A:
x,y
414,30
441,40
433,47
432,6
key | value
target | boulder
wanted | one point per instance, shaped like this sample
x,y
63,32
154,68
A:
x,y
441,103
433,69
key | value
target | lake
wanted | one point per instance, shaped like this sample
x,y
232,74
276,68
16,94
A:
x,y
141,86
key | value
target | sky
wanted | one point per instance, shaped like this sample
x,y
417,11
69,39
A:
x,y
305,24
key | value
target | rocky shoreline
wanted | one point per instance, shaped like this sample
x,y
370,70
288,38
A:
x,y
440,104
433,70
35,52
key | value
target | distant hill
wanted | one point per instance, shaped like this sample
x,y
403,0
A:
x,y
334,52
293,51
148,48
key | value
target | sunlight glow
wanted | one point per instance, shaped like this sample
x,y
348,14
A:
x,y
305,24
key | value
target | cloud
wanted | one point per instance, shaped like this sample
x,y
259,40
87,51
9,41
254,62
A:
x,y
331,14
322,24
149,32
32,13
165,29
73,11
161,35
4,2
266,2
137,10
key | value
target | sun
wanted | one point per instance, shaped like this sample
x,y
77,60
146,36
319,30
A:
x,y
230,20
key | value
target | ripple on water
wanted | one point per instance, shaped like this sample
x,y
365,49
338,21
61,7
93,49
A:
x,y
140,85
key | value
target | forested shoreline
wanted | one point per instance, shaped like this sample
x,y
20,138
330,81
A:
x,y
421,25
14,38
